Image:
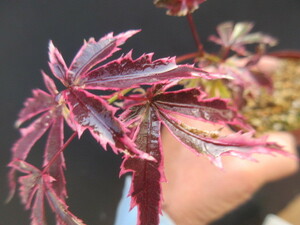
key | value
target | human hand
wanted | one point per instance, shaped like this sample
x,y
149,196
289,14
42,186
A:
x,y
197,192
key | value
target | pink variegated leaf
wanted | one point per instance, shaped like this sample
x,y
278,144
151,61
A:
x,y
35,186
244,145
191,102
95,114
57,63
145,189
126,72
132,114
179,7
28,182
38,209
59,207
40,102
50,85
54,145
30,135
243,77
246,80
94,52
31,190
194,104
21,148
28,189
208,143
236,36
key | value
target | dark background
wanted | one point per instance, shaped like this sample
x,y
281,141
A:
x,y
25,29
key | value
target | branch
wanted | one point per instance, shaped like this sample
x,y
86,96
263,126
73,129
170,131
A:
x,y
59,152
195,34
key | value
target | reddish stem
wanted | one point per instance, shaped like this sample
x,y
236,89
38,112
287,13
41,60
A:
x,y
195,34
224,53
137,98
57,154
286,54
188,56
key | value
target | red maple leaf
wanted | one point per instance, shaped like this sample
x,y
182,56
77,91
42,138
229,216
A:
x,y
83,110
147,113
34,187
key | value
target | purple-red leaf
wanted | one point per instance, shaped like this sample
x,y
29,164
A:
x,y
179,7
30,135
50,85
59,207
38,210
133,113
94,52
194,104
22,147
40,102
210,144
36,185
85,111
191,102
126,72
54,145
28,183
147,175
57,63
31,188
95,114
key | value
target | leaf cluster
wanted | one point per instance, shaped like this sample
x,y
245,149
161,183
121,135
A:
x,y
144,94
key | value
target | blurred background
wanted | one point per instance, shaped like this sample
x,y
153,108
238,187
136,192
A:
x,y
26,26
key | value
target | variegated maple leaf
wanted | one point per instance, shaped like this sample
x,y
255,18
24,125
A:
x,y
179,7
83,110
236,36
34,187
93,113
247,82
145,188
145,114
51,119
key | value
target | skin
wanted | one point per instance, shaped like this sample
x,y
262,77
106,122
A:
x,y
197,192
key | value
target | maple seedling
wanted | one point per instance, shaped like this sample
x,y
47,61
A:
x,y
145,89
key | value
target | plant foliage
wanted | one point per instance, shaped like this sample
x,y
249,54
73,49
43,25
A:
x,y
83,110
179,7
146,88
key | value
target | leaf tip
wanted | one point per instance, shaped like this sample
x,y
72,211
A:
x,y
217,161
17,124
50,45
51,49
12,184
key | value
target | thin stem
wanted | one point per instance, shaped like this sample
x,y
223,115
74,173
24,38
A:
x,y
195,34
57,154
188,56
224,53
286,54
118,94
210,57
